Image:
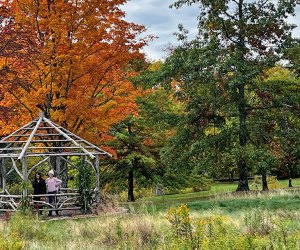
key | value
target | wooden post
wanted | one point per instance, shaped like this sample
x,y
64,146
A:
x,y
97,171
62,166
57,165
3,174
25,177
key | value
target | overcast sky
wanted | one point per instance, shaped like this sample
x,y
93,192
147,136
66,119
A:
x,y
162,21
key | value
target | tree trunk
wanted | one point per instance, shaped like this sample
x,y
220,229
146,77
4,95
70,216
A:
x,y
61,169
63,175
231,176
3,175
242,165
264,182
243,175
290,178
130,187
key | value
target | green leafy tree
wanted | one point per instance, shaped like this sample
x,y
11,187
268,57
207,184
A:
x,y
292,54
139,138
236,42
284,101
133,158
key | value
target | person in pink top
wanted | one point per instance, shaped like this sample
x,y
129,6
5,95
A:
x,y
53,185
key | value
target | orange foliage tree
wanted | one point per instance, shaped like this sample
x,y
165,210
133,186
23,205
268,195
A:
x,y
67,58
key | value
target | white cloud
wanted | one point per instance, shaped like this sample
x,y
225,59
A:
x,y
296,20
162,21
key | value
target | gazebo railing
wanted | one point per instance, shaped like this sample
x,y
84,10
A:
x,y
62,201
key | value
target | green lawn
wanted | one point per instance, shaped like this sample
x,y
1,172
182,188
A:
x,y
222,196
295,182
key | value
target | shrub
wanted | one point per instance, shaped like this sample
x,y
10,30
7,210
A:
x,y
273,183
130,232
259,222
180,220
83,180
17,188
199,183
25,226
263,231
10,243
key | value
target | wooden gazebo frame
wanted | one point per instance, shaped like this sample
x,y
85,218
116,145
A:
x,y
44,141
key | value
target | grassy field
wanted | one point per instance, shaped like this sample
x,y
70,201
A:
x,y
222,196
215,219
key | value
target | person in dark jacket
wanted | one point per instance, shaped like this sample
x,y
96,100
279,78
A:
x,y
39,187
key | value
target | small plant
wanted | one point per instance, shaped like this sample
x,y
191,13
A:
x,y
25,200
273,183
10,243
259,222
180,220
84,184
206,233
27,227
17,187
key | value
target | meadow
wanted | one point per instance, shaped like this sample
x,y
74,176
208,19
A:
x,y
214,219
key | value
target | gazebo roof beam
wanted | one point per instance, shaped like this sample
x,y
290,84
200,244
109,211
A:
x,y
36,135
20,148
30,154
9,143
30,137
62,154
68,137
92,145
40,128
88,143
13,134
37,141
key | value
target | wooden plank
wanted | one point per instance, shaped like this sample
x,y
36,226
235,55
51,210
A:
x,y
51,140
57,147
7,142
85,141
11,149
16,168
90,144
13,134
9,155
17,138
56,209
10,196
47,134
37,141
58,195
40,128
30,138
69,138
26,135
60,154
10,171
43,147
36,195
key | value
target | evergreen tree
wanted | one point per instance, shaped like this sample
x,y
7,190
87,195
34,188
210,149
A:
x,y
139,138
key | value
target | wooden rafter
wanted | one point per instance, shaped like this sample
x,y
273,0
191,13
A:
x,y
40,138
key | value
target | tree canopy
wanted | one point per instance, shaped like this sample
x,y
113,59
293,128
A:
x,y
70,60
